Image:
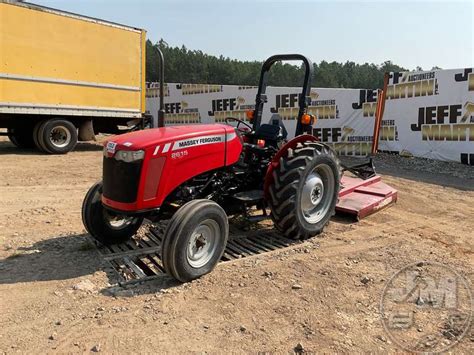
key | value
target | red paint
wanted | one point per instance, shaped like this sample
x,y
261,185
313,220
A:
x,y
363,197
155,168
180,164
276,159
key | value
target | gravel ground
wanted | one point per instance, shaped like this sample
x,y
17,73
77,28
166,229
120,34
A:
x,y
321,296
443,173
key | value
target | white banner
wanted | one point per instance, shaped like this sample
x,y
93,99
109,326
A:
x,y
430,114
345,117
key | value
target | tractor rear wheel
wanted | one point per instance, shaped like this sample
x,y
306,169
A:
x,y
304,191
194,240
103,225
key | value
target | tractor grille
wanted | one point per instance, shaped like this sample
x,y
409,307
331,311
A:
x,y
121,179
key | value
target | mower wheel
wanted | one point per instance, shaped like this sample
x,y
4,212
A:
x,y
103,225
194,240
304,191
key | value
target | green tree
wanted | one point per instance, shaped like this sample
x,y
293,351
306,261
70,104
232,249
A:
x,y
183,65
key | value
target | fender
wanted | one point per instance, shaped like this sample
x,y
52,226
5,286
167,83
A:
x,y
275,163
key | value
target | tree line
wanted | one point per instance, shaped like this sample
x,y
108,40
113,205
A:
x,y
183,65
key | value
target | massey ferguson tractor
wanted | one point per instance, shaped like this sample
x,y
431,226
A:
x,y
196,176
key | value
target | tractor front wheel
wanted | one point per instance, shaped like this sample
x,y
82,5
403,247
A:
x,y
194,240
103,225
304,191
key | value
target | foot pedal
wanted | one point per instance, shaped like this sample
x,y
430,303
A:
x,y
249,197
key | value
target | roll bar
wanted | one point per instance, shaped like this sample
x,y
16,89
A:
x,y
304,100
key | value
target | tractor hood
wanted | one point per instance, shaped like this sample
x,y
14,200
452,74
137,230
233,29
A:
x,y
140,169
159,136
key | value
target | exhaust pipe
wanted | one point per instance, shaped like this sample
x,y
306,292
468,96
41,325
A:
x,y
161,110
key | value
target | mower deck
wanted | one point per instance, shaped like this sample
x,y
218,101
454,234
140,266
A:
x,y
361,198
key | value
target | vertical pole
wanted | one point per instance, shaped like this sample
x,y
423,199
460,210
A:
x,y
382,95
161,111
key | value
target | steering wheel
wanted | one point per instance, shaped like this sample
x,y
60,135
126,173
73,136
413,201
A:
x,y
239,121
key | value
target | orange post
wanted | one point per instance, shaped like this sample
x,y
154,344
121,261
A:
x,y
382,95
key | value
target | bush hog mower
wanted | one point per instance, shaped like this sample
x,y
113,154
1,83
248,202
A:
x,y
197,175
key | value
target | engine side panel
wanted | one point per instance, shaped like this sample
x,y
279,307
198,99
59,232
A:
x,y
234,146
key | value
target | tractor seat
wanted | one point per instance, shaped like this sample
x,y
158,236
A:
x,y
269,132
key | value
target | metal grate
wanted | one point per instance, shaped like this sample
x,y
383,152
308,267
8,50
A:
x,y
139,258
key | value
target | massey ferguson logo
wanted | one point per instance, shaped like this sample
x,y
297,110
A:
x,y
206,140
192,142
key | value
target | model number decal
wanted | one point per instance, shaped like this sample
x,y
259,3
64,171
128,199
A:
x,y
180,154
111,147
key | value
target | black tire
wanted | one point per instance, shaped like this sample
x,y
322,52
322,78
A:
x,y
97,220
21,137
304,191
56,136
40,138
12,139
36,139
203,221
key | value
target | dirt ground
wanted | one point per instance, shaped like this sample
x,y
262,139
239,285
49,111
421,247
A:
x,y
323,293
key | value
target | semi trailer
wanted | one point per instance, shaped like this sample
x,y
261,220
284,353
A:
x,y
66,77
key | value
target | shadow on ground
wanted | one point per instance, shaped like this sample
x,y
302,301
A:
x,y
57,258
70,257
443,179
73,256
7,148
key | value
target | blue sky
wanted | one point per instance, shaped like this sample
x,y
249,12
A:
x,y
411,33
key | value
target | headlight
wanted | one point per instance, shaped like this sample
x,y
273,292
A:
x,y
129,155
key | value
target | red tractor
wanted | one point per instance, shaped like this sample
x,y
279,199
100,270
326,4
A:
x,y
196,176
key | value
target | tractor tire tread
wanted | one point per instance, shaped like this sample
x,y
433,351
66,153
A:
x,y
286,181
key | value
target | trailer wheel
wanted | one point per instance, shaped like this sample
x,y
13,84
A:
x,y
36,139
103,225
194,240
304,191
57,136
21,137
